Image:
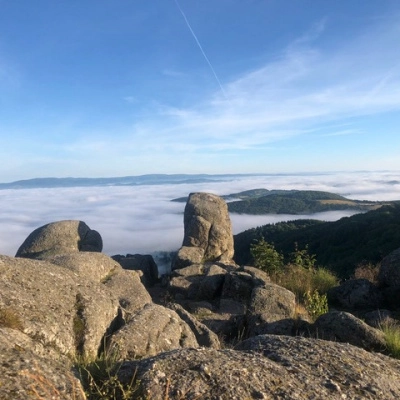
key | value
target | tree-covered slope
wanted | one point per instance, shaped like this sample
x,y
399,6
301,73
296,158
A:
x,y
264,201
339,246
297,202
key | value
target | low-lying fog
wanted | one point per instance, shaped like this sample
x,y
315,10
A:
x,y
142,219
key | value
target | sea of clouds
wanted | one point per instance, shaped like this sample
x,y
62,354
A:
x,y
143,219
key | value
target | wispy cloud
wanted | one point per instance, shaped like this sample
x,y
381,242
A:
x,y
344,132
303,87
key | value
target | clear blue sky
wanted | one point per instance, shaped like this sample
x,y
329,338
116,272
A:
x,y
109,88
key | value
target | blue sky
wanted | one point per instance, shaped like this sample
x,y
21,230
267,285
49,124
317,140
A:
x,y
110,88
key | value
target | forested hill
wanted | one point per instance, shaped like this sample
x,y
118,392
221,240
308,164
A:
x,y
298,202
339,246
263,201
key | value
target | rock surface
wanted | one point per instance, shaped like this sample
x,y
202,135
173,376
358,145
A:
x,y
270,304
139,262
389,272
55,307
59,238
268,367
150,331
204,336
389,278
356,294
72,301
30,370
207,231
345,327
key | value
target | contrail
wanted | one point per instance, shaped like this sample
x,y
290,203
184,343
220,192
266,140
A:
x,y
201,48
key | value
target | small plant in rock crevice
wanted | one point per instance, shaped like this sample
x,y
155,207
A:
x,y
101,381
79,324
9,318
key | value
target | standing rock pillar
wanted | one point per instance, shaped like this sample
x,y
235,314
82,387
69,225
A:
x,y
207,232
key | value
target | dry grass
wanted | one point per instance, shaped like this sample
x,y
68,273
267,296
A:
x,y
368,271
301,313
101,382
347,202
300,280
10,319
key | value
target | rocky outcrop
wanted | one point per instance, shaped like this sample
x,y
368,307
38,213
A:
x,y
389,278
31,370
128,288
356,294
55,306
61,299
150,331
205,337
344,327
96,267
270,304
268,367
389,272
241,300
69,305
60,238
198,281
207,232
139,262
379,318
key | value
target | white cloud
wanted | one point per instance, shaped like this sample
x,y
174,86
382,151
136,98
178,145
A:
x,y
306,86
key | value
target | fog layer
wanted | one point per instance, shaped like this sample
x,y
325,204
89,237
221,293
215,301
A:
x,y
142,219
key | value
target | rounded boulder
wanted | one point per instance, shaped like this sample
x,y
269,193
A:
x,y
60,237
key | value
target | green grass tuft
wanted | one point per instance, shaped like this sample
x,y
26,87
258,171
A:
x,y
101,382
391,330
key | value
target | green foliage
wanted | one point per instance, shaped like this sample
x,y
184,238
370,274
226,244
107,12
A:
x,y
322,280
340,245
266,257
303,258
391,330
309,284
315,303
101,382
300,280
10,319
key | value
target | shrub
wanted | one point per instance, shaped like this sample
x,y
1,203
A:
x,y
323,279
266,257
296,279
303,258
10,319
315,303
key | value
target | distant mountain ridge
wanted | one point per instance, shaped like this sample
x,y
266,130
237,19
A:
x,y
149,179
